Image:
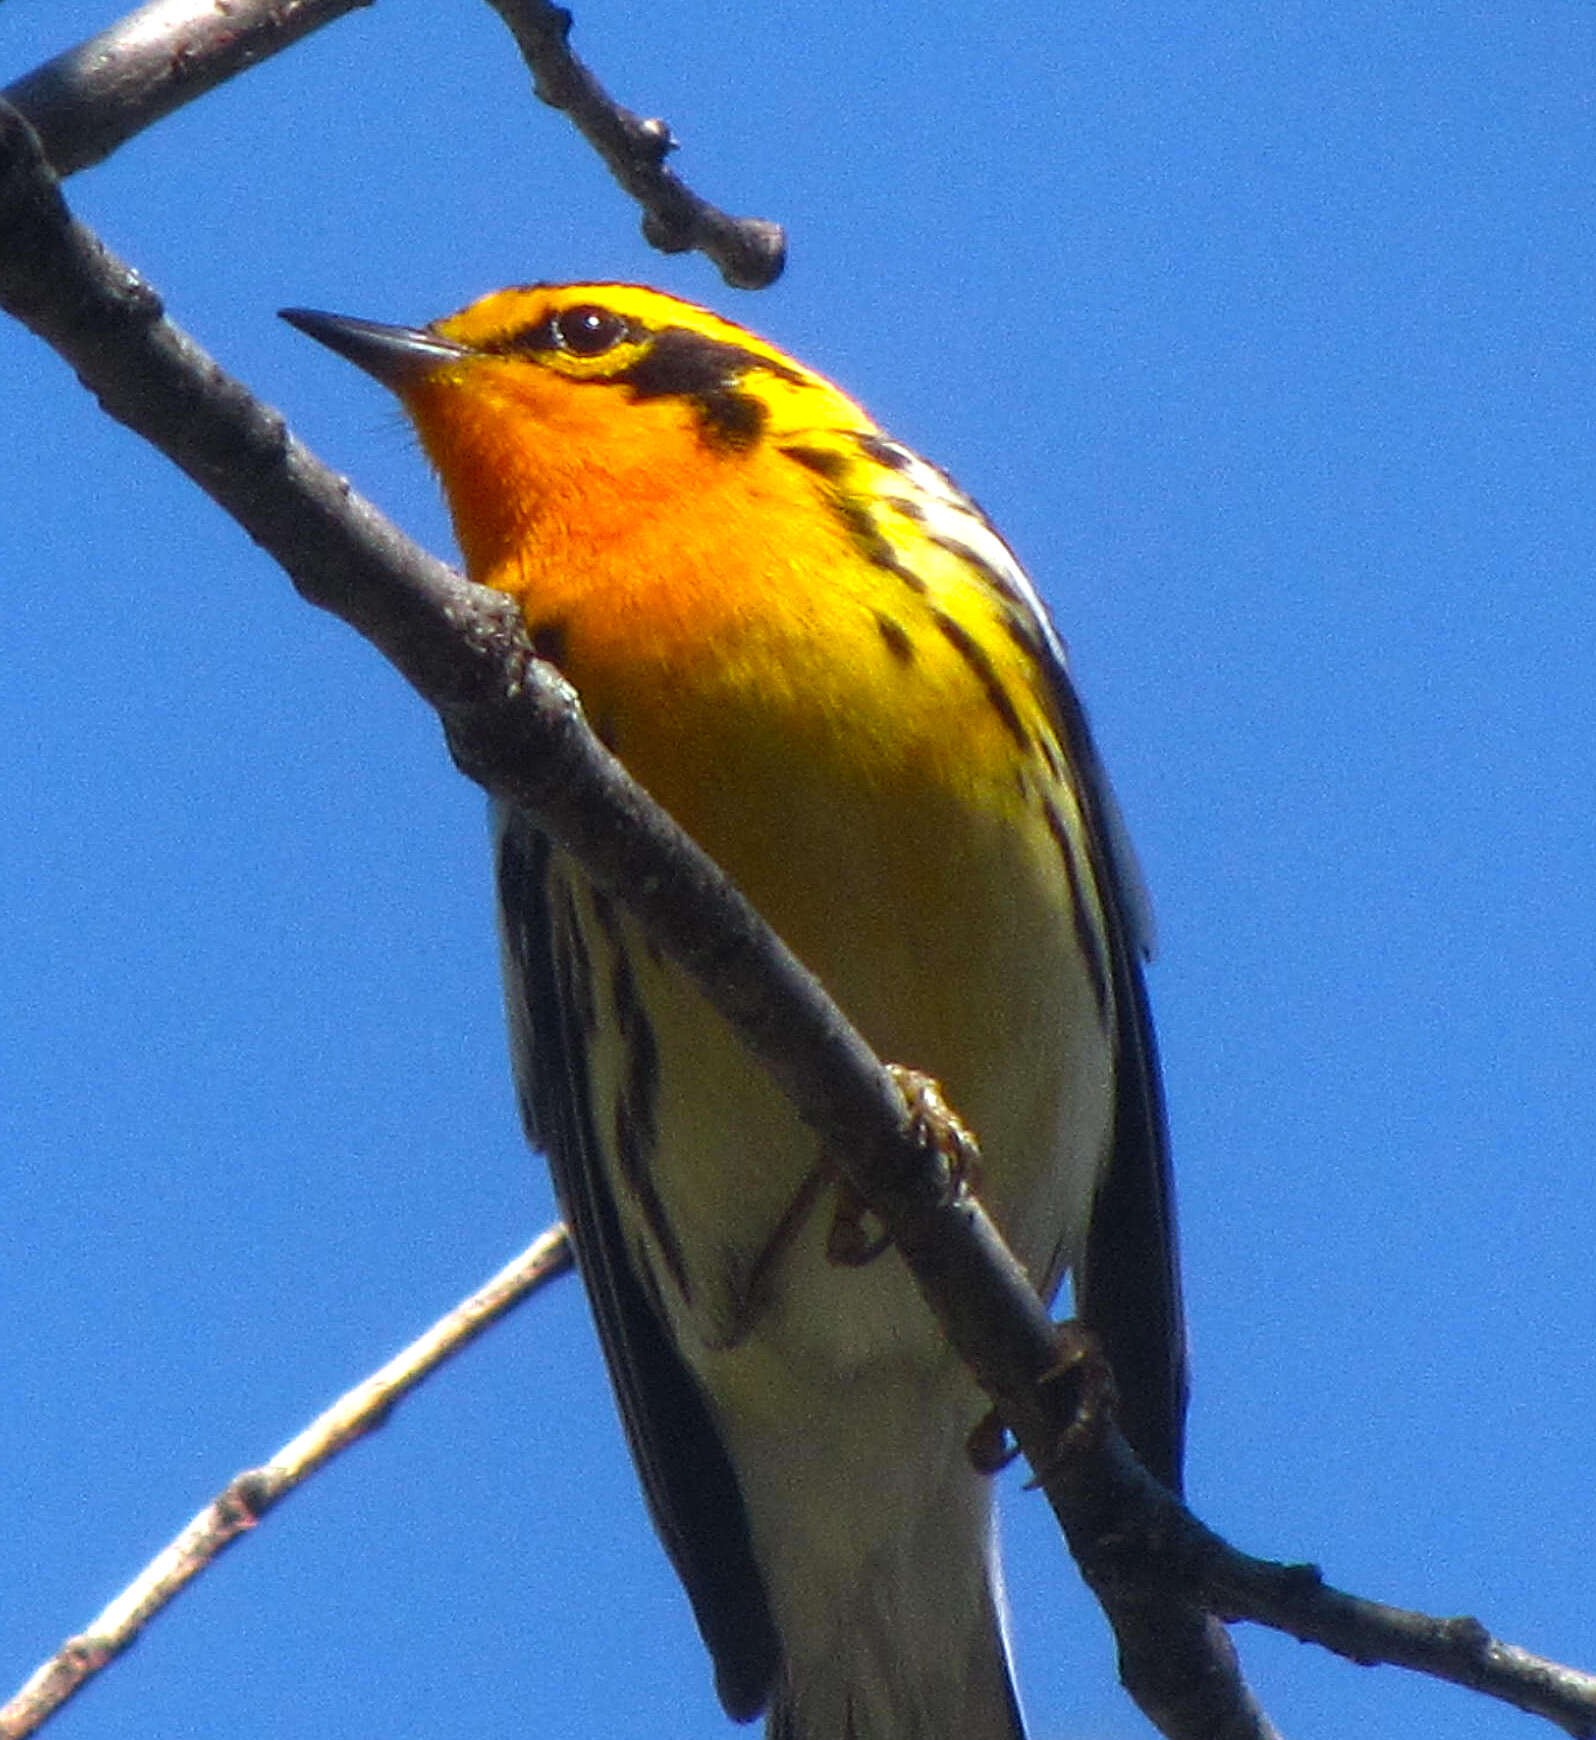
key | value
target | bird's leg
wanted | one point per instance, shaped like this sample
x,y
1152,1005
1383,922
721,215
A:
x,y
856,1236
751,1291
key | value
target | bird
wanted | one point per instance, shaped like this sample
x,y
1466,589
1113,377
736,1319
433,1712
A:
x,y
817,653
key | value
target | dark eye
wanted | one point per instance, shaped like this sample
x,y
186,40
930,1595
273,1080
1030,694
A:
x,y
588,330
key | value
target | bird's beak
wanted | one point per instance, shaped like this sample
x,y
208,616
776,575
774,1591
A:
x,y
395,355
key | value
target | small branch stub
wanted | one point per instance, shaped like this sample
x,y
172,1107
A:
x,y
750,252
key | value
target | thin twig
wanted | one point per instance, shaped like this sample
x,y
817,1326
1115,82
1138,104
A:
x,y
1295,1599
87,102
92,99
750,252
1136,1542
248,1496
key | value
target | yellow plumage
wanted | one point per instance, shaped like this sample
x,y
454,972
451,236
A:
x,y
821,659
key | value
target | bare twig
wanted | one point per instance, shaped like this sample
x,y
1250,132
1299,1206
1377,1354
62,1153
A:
x,y
92,99
1134,1541
248,1496
1294,1599
750,252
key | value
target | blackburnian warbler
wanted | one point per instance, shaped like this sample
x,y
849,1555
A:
x,y
822,659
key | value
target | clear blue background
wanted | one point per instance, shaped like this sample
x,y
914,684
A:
x,y
1266,335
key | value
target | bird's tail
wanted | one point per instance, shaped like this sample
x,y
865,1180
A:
x,y
891,1677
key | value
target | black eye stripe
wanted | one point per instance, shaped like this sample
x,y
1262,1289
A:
x,y
671,362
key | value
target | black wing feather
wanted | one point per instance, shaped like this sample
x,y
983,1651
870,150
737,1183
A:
x,y
1128,1287
687,1478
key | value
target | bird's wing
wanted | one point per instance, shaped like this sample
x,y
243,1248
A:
x,y
1128,1285
688,1480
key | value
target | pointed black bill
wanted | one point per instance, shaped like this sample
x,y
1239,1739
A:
x,y
393,355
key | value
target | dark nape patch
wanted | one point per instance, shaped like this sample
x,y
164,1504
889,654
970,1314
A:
x,y
684,364
974,655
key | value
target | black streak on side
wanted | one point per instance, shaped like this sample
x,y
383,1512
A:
x,y
1053,758
687,1478
1021,628
974,655
1088,938
636,1118
857,520
576,970
825,462
967,554
869,540
885,452
896,637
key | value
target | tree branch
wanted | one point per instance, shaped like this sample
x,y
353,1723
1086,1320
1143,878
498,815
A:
x,y
248,1496
1137,1544
92,99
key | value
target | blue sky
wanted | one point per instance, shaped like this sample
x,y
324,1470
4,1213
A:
x,y
1266,335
